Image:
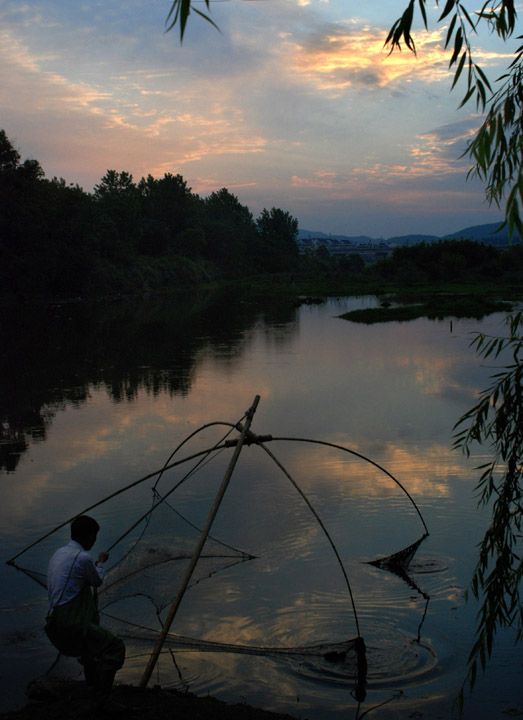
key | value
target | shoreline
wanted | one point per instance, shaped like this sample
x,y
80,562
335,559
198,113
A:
x,y
70,700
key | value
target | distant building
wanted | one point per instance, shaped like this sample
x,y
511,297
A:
x,y
341,247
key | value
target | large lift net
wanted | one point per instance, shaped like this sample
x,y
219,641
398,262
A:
x,y
162,554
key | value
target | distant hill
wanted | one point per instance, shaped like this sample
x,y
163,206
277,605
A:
x,y
480,233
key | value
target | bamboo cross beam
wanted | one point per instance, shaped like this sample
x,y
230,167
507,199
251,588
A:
x,y
199,547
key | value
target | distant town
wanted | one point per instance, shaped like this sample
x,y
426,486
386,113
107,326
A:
x,y
373,248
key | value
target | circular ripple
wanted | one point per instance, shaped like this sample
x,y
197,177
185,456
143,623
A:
x,y
398,658
427,565
394,659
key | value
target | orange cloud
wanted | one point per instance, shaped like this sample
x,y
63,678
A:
x,y
343,58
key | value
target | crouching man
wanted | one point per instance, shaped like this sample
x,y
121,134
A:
x,y
72,624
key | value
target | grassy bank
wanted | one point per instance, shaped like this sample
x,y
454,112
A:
x,y
433,307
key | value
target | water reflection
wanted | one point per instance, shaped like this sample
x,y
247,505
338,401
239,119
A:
x,y
95,399
56,356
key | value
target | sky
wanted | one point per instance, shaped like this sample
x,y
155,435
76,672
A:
x,y
291,103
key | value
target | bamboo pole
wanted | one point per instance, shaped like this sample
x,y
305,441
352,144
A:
x,y
198,550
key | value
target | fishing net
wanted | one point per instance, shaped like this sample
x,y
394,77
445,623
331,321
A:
x,y
154,553
399,561
153,566
346,658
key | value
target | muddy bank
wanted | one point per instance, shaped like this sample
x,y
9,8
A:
x,y
72,700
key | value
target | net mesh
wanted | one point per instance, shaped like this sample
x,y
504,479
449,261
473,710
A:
x,y
154,565
398,562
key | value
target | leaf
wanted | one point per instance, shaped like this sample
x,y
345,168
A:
x,y
407,24
459,68
206,17
450,30
482,76
447,9
179,13
481,94
421,4
458,44
467,97
464,12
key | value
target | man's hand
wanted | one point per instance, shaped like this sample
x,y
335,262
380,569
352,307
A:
x,y
102,557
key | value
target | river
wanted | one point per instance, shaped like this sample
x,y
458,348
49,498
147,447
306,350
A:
x,y
94,397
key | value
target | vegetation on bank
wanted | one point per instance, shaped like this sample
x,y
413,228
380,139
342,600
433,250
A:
x,y
434,307
59,242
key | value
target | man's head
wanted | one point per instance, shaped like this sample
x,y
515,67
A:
x,y
84,530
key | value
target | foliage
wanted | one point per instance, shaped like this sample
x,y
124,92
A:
x,y
9,155
58,241
497,147
445,260
179,13
127,237
450,261
497,420
230,232
278,231
168,209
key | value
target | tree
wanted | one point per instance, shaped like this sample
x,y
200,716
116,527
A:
x,y
169,209
114,184
45,245
497,420
497,147
118,209
278,231
230,232
22,212
9,155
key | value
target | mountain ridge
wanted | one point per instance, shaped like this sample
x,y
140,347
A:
x,y
485,233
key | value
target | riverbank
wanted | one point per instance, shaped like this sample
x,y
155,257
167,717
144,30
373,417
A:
x,y
71,700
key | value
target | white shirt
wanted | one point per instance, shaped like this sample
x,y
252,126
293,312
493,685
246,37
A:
x,y
70,569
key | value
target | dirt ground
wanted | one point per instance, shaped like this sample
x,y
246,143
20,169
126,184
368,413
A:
x,y
72,701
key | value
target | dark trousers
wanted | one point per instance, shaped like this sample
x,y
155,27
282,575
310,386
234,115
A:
x,y
74,630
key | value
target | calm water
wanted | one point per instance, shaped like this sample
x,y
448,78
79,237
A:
x,y
93,398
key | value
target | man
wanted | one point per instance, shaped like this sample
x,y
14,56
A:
x,y
72,624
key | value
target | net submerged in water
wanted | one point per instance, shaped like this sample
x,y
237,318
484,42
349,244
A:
x,y
399,561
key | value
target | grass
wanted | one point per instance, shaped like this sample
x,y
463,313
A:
x,y
433,307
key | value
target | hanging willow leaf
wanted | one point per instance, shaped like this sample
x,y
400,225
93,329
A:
x,y
450,31
459,68
423,12
498,160
449,6
467,17
497,419
179,14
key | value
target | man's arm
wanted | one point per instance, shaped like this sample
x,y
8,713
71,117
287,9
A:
x,y
95,572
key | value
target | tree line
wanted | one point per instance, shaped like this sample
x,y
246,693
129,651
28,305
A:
x,y
424,264
59,241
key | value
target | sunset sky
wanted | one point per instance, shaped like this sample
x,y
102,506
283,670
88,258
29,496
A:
x,y
293,104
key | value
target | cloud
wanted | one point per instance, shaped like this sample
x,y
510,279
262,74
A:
x,y
433,154
334,57
342,56
290,104
122,114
